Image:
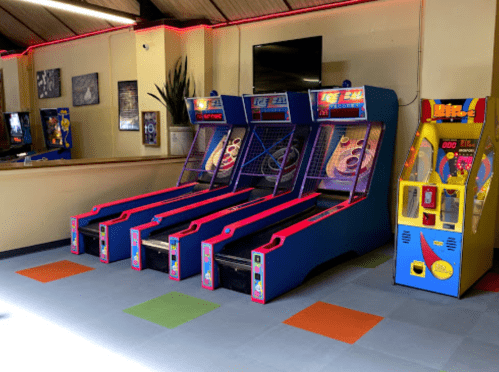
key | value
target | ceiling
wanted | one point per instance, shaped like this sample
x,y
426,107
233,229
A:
x,y
24,24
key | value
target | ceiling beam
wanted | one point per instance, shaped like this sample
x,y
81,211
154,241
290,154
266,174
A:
x,y
61,21
108,23
287,4
150,12
24,24
219,11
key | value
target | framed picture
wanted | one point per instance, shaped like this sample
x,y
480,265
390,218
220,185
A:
x,y
49,83
85,89
150,128
128,105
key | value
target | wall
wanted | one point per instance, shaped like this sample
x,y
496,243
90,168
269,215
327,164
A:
x,y
31,218
10,68
458,48
94,127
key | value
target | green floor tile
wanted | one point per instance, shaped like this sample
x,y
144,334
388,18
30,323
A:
x,y
371,260
171,309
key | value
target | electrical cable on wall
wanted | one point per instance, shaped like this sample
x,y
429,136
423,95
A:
x,y
419,56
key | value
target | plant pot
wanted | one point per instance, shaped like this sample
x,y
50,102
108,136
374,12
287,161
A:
x,y
180,140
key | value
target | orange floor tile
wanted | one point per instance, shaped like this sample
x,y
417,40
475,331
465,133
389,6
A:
x,y
54,271
333,321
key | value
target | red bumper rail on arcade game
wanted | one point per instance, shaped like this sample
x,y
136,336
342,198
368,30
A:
x,y
270,168
207,173
343,203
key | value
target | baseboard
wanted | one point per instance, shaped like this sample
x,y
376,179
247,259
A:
x,y
34,248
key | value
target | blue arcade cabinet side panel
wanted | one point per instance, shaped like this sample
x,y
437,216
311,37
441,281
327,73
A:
x,y
429,259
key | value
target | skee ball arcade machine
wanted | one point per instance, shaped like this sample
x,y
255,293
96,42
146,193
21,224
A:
x,y
343,202
271,166
447,197
207,172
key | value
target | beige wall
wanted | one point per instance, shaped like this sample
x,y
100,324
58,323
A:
x,y
10,68
458,48
151,69
94,127
34,217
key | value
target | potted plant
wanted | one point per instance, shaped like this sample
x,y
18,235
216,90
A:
x,y
176,88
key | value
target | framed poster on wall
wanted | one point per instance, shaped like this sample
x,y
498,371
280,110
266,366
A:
x,y
128,105
49,83
150,128
85,89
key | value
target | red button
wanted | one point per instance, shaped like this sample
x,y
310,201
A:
x,y
428,219
429,197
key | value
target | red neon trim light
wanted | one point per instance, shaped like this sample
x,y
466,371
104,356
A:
x,y
66,39
174,28
218,25
291,12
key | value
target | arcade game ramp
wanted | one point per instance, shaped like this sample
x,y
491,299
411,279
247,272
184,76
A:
x,y
207,172
444,242
342,206
272,163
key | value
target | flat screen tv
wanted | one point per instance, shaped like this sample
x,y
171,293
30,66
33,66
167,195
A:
x,y
292,65
18,127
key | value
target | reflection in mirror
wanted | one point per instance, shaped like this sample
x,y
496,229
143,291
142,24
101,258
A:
x,y
423,163
482,182
420,172
411,202
449,208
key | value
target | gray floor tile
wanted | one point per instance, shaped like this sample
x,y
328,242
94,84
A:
x,y
360,298
421,345
230,326
487,328
474,356
169,354
327,282
292,349
444,318
493,303
381,278
359,359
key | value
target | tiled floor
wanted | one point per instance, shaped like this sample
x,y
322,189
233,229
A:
x,y
77,323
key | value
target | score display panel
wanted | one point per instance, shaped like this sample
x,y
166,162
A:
x,y
208,110
270,108
341,104
455,155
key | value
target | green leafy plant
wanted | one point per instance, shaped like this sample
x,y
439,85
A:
x,y
172,94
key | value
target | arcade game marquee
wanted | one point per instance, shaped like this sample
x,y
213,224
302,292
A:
x,y
447,197
271,165
342,206
207,173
